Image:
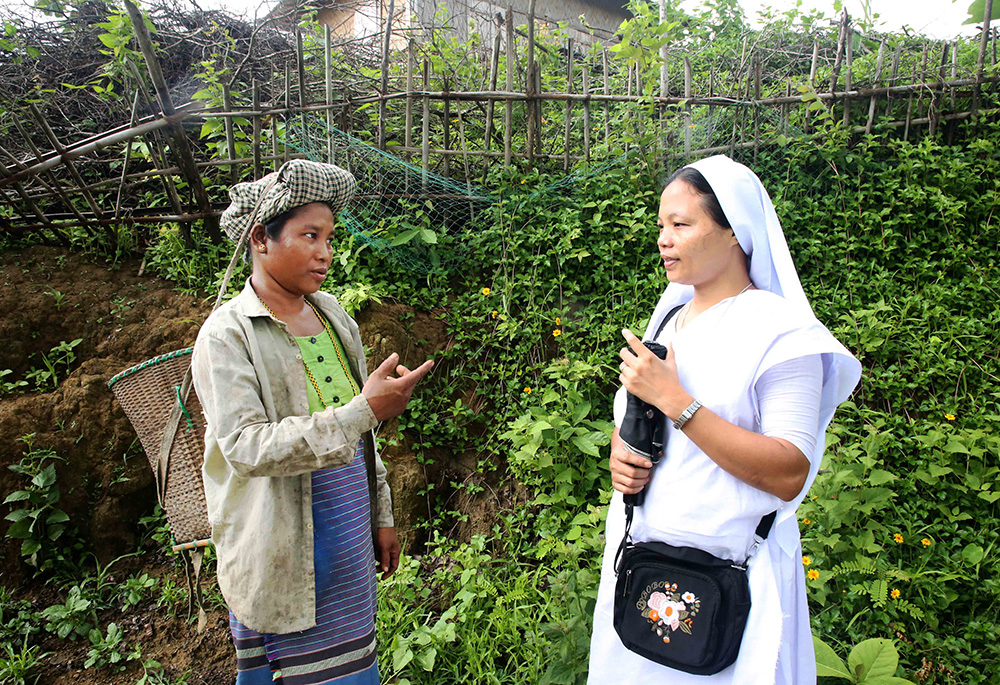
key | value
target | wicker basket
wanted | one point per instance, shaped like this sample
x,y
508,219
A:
x,y
147,393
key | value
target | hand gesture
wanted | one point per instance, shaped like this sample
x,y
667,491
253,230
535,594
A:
x,y
652,379
387,396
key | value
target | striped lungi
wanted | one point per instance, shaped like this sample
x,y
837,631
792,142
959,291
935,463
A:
x,y
341,646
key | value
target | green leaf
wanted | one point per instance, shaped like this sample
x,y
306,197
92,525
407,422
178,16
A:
x,y
972,554
426,659
428,236
404,237
828,663
401,656
876,658
880,477
20,528
46,478
978,9
585,445
57,516
17,496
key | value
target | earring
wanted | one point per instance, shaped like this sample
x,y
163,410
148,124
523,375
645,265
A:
x,y
262,248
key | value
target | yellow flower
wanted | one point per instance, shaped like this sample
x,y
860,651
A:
x,y
527,390
806,522
557,332
813,574
545,121
486,291
524,180
897,537
895,593
455,120
925,542
807,561
558,321
950,417
493,313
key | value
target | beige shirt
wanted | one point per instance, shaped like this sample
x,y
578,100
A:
x,y
261,446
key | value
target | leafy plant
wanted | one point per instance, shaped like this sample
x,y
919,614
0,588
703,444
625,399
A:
x,y
106,649
60,358
36,520
872,662
20,666
7,387
73,619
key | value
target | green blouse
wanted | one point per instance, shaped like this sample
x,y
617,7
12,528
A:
x,y
322,357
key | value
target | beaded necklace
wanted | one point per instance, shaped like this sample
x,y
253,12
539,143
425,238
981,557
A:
x,y
336,347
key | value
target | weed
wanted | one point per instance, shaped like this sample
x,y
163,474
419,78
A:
x,y
37,521
20,666
106,649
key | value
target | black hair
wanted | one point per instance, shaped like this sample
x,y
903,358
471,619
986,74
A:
x,y
699,184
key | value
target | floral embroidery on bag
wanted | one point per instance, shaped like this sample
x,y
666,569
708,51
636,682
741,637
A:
x,y
667,609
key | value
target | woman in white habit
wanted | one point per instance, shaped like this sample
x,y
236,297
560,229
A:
x,y
768,376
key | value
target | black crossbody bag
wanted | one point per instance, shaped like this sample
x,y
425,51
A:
x,y
681,607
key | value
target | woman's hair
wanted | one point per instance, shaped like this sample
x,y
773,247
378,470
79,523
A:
x,y
696,180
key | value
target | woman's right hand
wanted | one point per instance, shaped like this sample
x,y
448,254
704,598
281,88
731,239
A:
x,y
629,472
387,396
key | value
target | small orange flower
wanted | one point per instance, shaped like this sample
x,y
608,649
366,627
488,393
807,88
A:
x,y
527,390
493,313
813,574
806,522
950,417
556,333
524,180
897,538
654,615
485,291
558,321
925,542
895,593
807,561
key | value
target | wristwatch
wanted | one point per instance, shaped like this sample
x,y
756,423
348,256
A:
x,y
686,415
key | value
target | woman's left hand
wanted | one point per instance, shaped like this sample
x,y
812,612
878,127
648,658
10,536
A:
x,y
652,379
387,551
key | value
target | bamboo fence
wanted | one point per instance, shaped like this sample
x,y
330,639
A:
x,y
89,185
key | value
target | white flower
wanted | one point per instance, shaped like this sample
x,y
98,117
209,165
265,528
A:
x,y
688,597
671,614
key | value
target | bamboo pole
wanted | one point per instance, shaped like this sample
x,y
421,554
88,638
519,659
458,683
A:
x,y
127,159
234,175
756,110
274,143
687,108
893,75
180,146
529,83
158,150
909,111
288,107
328,91
586,113
491,105
425,138
981,61
935,106
446,124
22,193
384,85
303,95
607,106
257,171
875,81
411,57
569,105
923,76
71,168
848,73
509,104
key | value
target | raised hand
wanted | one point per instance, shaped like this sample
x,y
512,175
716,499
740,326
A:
x,y
388,396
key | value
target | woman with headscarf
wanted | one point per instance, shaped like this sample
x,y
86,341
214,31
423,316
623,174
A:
x,y
752,380
296,492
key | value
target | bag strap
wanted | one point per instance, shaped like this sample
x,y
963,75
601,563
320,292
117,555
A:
x,y
663,324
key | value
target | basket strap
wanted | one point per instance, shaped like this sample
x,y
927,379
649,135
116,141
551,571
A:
x,y
369,442
178,409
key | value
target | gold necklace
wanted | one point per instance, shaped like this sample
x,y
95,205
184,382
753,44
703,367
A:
x,y
336,348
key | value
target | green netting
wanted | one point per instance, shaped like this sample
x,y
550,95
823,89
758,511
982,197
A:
x,y
416,218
